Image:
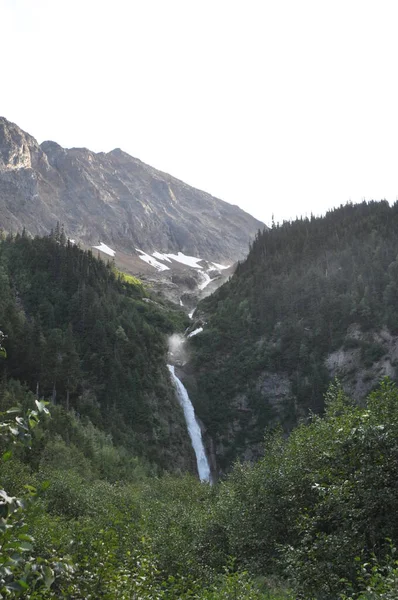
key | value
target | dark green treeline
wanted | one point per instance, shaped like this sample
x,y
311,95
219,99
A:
x,y
90,340
287,307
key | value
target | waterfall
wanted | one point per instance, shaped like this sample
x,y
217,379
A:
x,y
193,427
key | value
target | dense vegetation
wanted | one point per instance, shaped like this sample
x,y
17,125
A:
x,y
316,514
91,437
91,339
288,306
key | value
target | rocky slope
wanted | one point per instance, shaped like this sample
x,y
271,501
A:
x,y
115,199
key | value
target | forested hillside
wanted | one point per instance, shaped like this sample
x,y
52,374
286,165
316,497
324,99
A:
x,y
94,501
307,288
91,339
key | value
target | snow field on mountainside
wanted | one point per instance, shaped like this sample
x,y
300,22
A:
x,y
161,256
184,259
190,261
150,260
105,249
221,267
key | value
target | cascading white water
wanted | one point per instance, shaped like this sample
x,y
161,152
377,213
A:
x,y
193,427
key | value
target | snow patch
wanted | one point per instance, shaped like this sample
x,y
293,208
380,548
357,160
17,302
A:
x,y
152,261
191,261
105,249
220,267
161,256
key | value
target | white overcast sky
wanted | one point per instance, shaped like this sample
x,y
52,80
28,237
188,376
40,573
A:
x,y
283,107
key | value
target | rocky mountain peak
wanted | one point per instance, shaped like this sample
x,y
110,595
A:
x,y
18,149
14,146
115,199
49,147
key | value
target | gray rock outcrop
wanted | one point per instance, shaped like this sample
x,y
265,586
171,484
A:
x,y
113,198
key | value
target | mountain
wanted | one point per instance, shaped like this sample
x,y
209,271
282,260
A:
x,y
84,510
114,199
315,299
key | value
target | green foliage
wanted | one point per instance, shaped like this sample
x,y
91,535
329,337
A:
x,y
130,280
21,570
318,499
3,352
233,585
289,305
175,523
313,515
91,340
317,509
378,581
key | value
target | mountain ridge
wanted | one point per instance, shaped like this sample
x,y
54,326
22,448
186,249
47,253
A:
x,y
113,198
315,299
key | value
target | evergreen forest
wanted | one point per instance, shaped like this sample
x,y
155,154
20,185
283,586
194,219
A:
x,y
305,290
93,340
99,496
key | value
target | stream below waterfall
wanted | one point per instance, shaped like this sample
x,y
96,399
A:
x,y
193,427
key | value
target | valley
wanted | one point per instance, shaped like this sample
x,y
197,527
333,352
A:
x,y
192,405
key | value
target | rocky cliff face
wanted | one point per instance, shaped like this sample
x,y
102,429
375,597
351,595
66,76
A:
x,y
364,360
113,198
360,364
